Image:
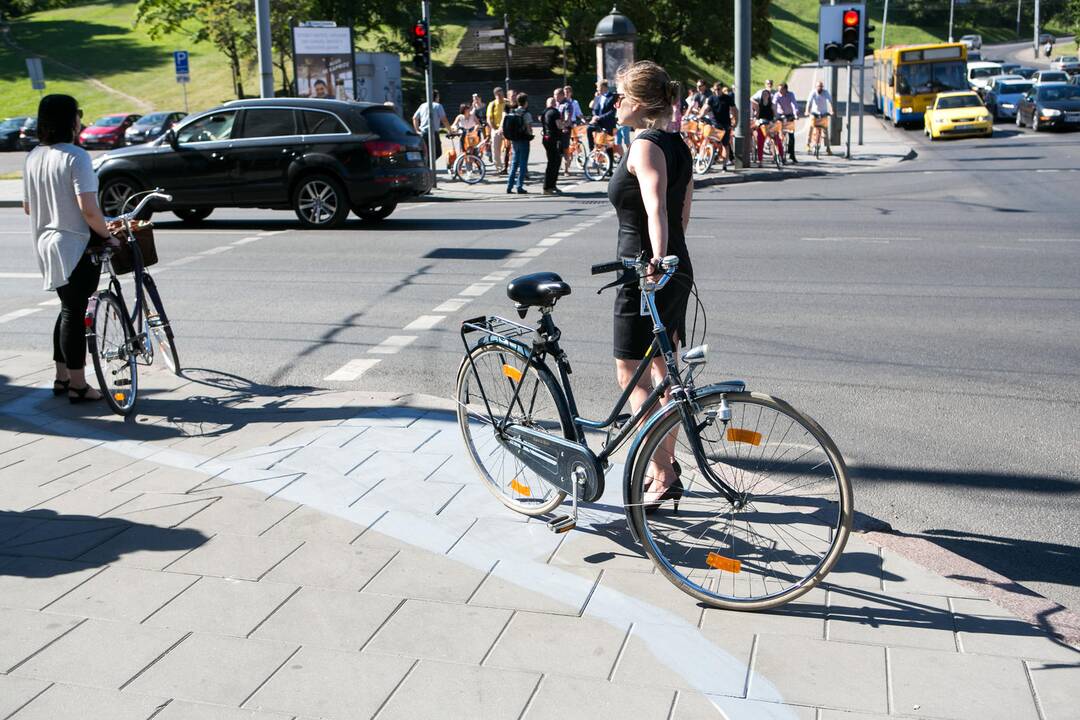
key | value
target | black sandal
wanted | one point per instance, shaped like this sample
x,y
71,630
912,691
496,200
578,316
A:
x,y
59,387
80,395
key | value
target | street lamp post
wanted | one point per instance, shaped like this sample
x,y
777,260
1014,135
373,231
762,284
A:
x,y
614,37
952,6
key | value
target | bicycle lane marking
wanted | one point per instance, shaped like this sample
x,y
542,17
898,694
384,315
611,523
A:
x,y
672,640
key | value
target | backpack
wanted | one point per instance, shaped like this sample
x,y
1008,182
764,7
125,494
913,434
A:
x,y
513,126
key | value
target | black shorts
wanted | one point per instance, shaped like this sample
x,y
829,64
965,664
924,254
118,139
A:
x,y
634,332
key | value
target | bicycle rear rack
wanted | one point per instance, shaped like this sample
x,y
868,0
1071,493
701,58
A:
x,y
494,326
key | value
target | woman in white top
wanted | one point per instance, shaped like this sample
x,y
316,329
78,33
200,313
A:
x,y
464,122
60,196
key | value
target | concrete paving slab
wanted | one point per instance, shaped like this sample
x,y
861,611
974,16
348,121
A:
x,y
16,692
69,701
654,589
237,669
126,594
895,619
536,588
959,686
184,710
241,516
100,653
560,697
331,565
311,525
146,546
696,706
1011,637
64,538
859,567
426,576
33,583
332,684
161,510
27,631
405,465
552,643
85,501
236,556
642,661
440,631
807,671
335,619
460,692
904,576
147,477
1057,689
386,439
223,606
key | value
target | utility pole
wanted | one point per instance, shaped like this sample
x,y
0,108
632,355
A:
x,y
1019,4
506,48
742,80
1036,39
429,86
952,5
835,131
266,62
885,22
862,103
847,121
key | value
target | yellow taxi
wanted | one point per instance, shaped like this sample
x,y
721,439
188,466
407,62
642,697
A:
x,y
958,113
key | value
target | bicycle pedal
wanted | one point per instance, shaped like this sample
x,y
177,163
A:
x,y
562,523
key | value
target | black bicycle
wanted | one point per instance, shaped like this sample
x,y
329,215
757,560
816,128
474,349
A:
x,y
762,505
118,341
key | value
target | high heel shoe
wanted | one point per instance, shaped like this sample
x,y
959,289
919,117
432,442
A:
x,y
674,492
59,387
80,395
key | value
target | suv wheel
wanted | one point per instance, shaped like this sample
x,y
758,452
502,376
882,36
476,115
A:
x,y
114,194
320,202
375,212
193,215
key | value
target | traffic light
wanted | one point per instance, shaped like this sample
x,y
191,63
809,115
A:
x,y
421,42
868,39
832,51
849,35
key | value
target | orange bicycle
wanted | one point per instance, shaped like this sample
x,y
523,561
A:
x,y
578,150
817,130
773,146
710,145
469,166
598,163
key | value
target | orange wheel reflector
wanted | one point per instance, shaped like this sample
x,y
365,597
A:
x,y
722,563
512,372
119,397
742,435
521,489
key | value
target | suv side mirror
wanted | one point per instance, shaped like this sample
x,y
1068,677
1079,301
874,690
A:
x,y
170,137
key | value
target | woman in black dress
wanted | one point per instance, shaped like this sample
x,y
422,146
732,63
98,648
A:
x,y
651,190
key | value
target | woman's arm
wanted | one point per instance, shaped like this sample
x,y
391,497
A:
x,y
686,203
647,162
88,204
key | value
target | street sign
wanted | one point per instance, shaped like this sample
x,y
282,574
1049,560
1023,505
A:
x,y
490,46
37,74
319,24
489,33
183,68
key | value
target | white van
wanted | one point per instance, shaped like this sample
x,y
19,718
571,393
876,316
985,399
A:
x,y
973,42
979,73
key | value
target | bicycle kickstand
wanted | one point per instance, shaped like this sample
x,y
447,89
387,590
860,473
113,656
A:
x,y
565,523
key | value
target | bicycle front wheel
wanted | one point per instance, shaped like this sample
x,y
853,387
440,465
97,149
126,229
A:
x,y
110,345
597,165
157,324
703,162
790,525
470,169
499,369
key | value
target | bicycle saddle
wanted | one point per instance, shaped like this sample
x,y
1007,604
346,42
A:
x,y
537,289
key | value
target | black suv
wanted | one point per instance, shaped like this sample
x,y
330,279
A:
x,y
319,157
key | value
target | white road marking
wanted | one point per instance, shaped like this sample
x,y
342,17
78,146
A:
x,y
392,344
872,241
268,233
451,305
352,369
412,206
16,314
184,261
19,276
425,322
548,242
217,250
532,252
245,241
1049,240
495,276
561,234
50,303
476,289
516,262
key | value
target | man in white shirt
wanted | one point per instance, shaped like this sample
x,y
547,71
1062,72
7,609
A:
x,y
421,121
819,105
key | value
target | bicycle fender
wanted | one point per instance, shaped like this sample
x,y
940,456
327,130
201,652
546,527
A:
x,y
632,456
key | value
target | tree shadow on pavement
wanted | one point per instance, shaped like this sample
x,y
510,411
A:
x,y
43,543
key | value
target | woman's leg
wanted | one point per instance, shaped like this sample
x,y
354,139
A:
x,y
661,473
74,298
58,353
760,145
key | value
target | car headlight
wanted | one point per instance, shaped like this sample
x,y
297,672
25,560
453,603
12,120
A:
x,y
1008,106
1051,112
906,110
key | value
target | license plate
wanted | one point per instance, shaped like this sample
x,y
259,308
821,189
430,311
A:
x,y
1072,117
414,156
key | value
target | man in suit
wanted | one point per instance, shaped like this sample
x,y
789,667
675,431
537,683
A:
x,y
603,116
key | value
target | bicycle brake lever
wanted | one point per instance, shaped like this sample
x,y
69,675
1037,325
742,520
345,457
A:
x,y
615,283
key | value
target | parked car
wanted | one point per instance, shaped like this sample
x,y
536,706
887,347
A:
x,y
1050,76
978,73
973,42
1066,63
108,131
151,126
1025,72
1005,95
1055,105
9,132
958,113
320,158
1009,68
28,139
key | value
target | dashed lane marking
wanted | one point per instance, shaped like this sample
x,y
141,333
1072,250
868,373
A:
x,y
1048,240
183,261
548,242
495,276
50,303
516,262
425,322
245,241
451,306
16,314
19,276
532,252
352,370
476,289
217,250
268,233
392,344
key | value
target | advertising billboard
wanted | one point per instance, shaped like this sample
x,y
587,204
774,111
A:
x,y
323,62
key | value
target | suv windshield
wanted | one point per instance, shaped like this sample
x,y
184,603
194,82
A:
x,y
960,101
930,78
1015,88
985,72
110,121
1050,94
1053,77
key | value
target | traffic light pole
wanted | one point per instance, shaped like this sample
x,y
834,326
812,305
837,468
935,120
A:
x,y
847,121
742,80
862,103
429,86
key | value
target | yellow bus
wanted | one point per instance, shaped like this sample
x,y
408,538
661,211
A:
x,y
908,77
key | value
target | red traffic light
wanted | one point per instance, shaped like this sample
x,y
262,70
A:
x,y
419,30
851,18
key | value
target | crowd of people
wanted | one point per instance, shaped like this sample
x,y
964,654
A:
x,y
503,126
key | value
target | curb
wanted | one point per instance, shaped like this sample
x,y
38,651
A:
x,y
10,203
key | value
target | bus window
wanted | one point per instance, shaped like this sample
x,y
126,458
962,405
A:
x,y
930,78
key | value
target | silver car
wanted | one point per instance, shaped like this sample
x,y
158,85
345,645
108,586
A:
x,y
1066,63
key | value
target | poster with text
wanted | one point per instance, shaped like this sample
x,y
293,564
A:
x,y
323,62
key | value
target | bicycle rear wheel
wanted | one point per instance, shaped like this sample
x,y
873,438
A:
x,y
157,324
597,165
703,160
109,343
797,510
539,406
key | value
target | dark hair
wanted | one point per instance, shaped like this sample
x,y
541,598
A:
x,y
522,99
435,95
57,115
464,108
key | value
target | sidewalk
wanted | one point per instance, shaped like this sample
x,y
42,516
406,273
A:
x,y
244,551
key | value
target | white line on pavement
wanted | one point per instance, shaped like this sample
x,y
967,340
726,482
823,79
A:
x,y
425,322
548,242
495,276
1048,240
16,314
50,303
561,234
19,276
871,240
217,250
352,370
516,262
412,206
268,233
183,261
476,289
245,241
451,305
392,344
532,252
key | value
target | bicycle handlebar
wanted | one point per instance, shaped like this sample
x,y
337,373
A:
x,y
641,264
155,194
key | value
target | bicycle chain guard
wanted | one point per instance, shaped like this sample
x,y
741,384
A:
x,y
557,460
